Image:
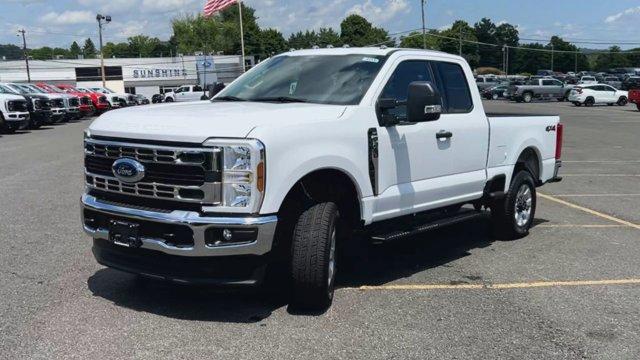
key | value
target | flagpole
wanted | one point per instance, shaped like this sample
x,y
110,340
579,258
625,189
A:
x,y
241,33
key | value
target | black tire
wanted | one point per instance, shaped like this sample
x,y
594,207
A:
x,y
504,212
313,257
527,97
610,104
589,102
623,101
495,96
577,104
638,107
168,99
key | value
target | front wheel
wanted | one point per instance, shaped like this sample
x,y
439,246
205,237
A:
x,y
527,97
313,258
495,96
576,103
513,216
168,99
589,102
638,106
622,101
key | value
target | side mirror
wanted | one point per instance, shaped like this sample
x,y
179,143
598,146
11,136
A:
x,y
424,102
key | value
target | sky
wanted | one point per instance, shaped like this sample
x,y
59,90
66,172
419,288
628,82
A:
x,y
59,22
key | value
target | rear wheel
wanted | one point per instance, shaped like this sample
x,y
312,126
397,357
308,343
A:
x,y
313,259
623,101
169,99
495,96
527,97
513,216
576,103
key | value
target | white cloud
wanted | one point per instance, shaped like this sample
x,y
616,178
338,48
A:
x,y
166,5
622,15
380,14
68,17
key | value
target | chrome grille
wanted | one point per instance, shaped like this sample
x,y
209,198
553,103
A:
x,y
74,102
57,103
171,173
86,100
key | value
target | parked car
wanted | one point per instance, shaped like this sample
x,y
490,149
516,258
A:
x,y
358,140
86,107
612,81
486,82
631,83
14,114
56,102
124,99
185,93
71,102
37,105
590,95
141,99
539,89
634,97
587,80
157,98
496,92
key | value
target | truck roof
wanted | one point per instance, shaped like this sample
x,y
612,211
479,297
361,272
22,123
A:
x,y
376,51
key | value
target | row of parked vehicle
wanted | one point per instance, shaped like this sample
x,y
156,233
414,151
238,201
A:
x,y
24,105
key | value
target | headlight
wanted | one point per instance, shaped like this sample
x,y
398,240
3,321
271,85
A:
x,y
243,175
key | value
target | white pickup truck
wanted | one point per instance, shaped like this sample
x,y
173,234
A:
x,y
185,93
302,155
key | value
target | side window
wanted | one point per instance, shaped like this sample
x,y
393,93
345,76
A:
x,y
454,88
197,88
398,85
547,83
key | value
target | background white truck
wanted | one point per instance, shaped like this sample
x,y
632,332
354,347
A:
x,y
185,93
14,113
297,156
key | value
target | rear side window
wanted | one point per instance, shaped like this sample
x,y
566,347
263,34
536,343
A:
x,y
454,88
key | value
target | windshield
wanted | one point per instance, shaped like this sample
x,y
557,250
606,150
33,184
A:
x,y
51,88
16,89
6,90
33,88
586,78
321,79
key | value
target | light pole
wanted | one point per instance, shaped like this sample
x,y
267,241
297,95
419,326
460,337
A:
x,y
424,31
26,55
107,19
552,53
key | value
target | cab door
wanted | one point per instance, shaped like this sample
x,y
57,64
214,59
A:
x,y
432,164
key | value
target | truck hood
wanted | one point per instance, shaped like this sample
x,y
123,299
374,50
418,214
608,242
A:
x,y
195,122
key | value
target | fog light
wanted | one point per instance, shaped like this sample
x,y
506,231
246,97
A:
x,y
227,234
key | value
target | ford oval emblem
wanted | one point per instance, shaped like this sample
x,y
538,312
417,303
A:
x,y
128,170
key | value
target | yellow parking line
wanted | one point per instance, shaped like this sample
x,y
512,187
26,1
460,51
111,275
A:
x,y
590,211
502,286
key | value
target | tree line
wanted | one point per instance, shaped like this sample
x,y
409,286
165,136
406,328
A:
x,y
483,44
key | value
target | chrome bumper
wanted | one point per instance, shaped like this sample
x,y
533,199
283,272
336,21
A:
x,y
265,226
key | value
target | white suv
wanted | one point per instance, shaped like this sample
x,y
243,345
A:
x,y
185,93
590,95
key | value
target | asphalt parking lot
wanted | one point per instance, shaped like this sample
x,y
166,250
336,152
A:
x,y
568,291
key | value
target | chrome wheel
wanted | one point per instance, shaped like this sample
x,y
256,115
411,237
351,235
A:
x,y
332,261
523,203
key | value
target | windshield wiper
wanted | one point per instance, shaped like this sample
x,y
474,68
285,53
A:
x,y
228,98
281,99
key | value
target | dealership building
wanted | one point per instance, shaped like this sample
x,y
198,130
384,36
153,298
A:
x,y
146,76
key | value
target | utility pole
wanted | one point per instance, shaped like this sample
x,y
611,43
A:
x,y
107,20
552,59
424,30
26,55
575,65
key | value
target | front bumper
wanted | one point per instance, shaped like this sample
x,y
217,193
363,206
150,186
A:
x,y
202,228
16,120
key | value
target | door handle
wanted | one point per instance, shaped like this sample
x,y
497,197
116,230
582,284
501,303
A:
x,y
442,134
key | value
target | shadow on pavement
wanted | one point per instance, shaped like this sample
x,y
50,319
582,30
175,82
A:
x,y
369,265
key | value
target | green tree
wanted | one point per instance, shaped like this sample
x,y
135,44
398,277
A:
x,y
74,50
273,42
450,41
43,53
612,59
633,56
565,60
119,50
89,49
489,55
355,30
414,40
303,40
143,46
328,36
530,58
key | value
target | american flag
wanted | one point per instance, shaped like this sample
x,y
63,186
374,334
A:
x,y
213,6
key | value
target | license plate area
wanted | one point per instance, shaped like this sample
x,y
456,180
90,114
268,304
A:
x,y
124,233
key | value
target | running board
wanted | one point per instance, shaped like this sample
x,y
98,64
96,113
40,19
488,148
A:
x,y
462,216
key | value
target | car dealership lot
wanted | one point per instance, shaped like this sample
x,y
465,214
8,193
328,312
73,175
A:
x,y
569,290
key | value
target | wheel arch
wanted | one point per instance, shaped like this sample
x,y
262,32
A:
x,y
530,160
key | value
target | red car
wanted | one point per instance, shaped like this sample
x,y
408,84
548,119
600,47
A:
x,y
71,102
99,101
634,97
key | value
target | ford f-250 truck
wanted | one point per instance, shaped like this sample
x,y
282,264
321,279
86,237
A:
x,y
297,156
